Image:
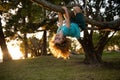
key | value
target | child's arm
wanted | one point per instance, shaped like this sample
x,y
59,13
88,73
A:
x,y
60,19
67,17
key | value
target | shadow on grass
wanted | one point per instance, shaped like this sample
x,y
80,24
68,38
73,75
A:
x,y
112,65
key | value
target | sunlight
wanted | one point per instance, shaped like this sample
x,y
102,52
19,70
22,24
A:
x,y
14,49
1,56
15,52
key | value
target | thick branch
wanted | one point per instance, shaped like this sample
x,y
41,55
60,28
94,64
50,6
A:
x,y
115,25
48,5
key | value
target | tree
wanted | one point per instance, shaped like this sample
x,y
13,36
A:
x,y
34,46
26,20
93,52
6,55
115,40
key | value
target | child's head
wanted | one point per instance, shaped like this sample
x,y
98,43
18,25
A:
x,y
59,38
60,49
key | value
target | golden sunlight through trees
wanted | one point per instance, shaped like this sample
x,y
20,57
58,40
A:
x,y
0,56
14,50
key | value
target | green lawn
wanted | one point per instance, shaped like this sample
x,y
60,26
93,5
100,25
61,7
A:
x,y
50,68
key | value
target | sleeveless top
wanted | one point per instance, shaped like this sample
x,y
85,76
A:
x,y
72,31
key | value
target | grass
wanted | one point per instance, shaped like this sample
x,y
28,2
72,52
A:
x,y
50,68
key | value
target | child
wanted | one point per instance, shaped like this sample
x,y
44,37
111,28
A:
x,y
59,45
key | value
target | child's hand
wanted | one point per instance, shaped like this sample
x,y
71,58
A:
x,y
65,8
59,13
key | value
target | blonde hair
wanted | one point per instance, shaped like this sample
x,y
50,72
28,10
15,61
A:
x,y
60,50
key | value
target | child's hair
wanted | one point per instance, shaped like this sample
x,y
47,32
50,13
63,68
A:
x,y
60,50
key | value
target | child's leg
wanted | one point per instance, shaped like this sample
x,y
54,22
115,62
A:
x,y
76,10
79,17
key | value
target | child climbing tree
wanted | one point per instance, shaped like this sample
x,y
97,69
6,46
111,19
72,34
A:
x,y
60,44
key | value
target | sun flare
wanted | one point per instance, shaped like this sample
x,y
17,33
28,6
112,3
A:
x,y
14,50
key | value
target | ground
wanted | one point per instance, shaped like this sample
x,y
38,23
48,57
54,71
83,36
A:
x,y
50,68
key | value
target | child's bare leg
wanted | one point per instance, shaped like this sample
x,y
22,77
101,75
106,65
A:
x,y
76,10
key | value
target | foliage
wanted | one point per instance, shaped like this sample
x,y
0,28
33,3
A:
x,y
115,40
105,10
4,6
102,11
34,46
23,10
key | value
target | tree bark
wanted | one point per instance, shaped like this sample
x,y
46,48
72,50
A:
x,y
6,54
91,56
88,47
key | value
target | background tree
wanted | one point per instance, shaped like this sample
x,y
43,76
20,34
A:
x,y
34,46
93,52
4,7
114,41
26,20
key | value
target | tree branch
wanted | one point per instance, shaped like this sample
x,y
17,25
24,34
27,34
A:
x,y
114,25
49,6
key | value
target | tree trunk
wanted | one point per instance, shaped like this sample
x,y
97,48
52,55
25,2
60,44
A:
x,y
93,54
44,44
90,55
92,58
6,54
25,46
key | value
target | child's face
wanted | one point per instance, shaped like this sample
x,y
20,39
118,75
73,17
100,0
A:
x,y
58,38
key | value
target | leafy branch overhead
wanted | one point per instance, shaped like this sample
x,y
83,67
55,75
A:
x,y
114,25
